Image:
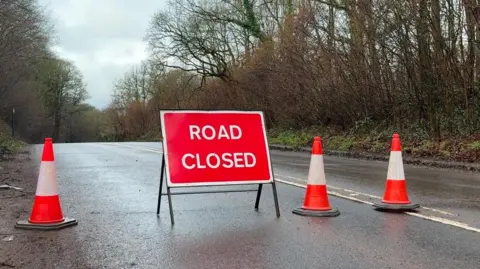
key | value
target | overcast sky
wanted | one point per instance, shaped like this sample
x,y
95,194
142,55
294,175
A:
x,y
102,37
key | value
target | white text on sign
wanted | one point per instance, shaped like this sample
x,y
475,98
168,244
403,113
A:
x,y
214,160
209,133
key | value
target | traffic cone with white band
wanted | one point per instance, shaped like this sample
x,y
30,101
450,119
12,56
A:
x,y
316,202
46,212
395,196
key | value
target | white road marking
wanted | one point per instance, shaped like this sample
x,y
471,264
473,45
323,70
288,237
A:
x,y
446,221
438,211
329,192
135,147
363,194
431,218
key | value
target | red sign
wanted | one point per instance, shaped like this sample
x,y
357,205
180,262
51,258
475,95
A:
x,y
215,147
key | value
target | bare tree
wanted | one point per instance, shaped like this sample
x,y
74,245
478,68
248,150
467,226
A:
x,y
62,89
356,65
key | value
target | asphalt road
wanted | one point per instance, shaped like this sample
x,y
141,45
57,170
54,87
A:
x,y
451,195
441,193
111,189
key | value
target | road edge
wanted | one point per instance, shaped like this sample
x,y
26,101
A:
x,y
472,167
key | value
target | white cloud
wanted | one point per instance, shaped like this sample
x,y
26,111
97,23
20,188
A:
x,y
121,53
103,38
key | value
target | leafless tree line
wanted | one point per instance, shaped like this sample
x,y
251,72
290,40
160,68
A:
x,y
357,65
45,91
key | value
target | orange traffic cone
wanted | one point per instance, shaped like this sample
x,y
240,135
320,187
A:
x,y
316,202
46,212
395,196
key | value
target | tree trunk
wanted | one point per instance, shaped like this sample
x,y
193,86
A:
x,y
56,126
424,63
470,62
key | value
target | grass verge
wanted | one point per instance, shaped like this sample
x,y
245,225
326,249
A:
x,y
464,149
8,144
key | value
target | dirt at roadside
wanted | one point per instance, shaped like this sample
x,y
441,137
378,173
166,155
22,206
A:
x,y
17,171
21,248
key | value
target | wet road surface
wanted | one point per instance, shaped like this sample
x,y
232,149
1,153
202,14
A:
x,y
111,189
453,195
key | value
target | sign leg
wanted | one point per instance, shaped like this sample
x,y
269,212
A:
x,y
162,170
259,192
170,205
275,198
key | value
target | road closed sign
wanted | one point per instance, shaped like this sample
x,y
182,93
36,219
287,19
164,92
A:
x,y
215,147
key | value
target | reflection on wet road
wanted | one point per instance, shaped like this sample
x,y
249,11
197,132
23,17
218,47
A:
x,y
111,189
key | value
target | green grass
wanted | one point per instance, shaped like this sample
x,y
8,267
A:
x,y
7,143
474,145
150,137
450,149
291,138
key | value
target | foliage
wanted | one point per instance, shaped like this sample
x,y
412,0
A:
x,y
356,70
7,143
466,149
43,90
61,87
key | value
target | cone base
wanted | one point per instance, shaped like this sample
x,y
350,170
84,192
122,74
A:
x,y
395,207
316,213
25,224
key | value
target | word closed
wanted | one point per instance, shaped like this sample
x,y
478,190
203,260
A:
x,y
227,160
215,148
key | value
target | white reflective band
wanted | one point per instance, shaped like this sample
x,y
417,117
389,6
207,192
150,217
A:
x,y
395,166
316,174
47,180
